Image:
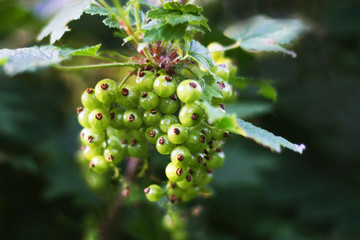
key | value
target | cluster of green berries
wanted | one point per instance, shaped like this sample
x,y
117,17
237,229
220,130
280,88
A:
x,y
121,121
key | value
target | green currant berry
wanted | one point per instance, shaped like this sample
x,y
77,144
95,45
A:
x,y
116,116
197,161
83,132
138,134
186,182
145,81
132,118
114,154
189,194
203,178
148,100
166,121
221,71
216,159
205,131
177,133
173,189
172,221
123,133
99,164
226,92
163,145
169,105
219,134
90,152
153,192
180,156
83,117
190,115
216,50
174,173
152,117
137,148
189,91
152,134
97,182
89,100
99,119
106,91
164,86
196,141
128,96
94,137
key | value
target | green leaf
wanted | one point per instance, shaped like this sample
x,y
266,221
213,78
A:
x,y
266,138
223,120
174,13
210,88
261,33
200,54
158,30
29,59
109,21
58,25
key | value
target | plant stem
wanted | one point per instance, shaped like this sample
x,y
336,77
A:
x,y
103,65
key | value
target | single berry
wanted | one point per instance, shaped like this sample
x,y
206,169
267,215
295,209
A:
x,y
152,134
174,173
106,91
99,164
148,100
196,141
219,134
94,137
164,86
163,145
190,193
138,134
145,81
216,160
90,152
116,118
137,148
114,154
83,117
186,182
190,115
180,156
189,91
221,71
152,117
89,100
99,119
128,96
177,133
153,192
203,178
169,105
166,121
132,118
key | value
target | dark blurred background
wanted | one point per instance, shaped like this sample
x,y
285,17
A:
x,y
258,195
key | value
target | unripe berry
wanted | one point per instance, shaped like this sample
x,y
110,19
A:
x,y
106,91
99,119
219,134
186,182
145,81
196,142
128,96
114,154
90,152
177,133
216,50
153,192
89,100
189,91
152,117
83,117
137,148
216,160
116,116
166,121
94,137
152,134
169,105
174,173
190,115
132,118
180,156
163,145
99,164
164,86
221,71
148,100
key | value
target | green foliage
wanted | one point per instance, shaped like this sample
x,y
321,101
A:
x,y
199,53
261,33
58,25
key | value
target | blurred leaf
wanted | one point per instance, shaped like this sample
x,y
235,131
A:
x,y
249,109
58,25
31,58
261,33
265,88
200,54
